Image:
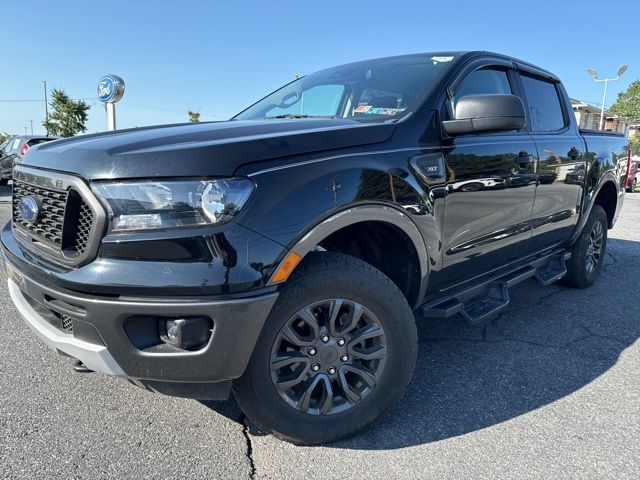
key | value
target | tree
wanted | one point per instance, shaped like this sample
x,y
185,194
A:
x,y
3,137
194,117
68,117
627,105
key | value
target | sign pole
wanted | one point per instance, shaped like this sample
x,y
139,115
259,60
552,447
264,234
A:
x,y
111,116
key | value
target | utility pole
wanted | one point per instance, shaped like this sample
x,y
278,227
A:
x,y
25,131
46,107
31,126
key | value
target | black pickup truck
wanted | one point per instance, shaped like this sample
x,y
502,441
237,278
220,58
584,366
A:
x,y
283,254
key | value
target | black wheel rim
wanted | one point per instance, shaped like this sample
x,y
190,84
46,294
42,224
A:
x,y
328,356
594,247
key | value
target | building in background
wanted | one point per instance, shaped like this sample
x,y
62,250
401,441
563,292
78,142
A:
x,y
588,118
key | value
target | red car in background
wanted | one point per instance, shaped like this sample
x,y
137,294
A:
x,y
634,174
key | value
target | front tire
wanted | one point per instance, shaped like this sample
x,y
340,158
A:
x,y
336,352
587,253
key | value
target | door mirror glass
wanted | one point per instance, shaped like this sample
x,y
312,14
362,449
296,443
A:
x,y
486,113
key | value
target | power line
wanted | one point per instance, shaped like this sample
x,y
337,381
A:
x,y
37,100
12,100
93,100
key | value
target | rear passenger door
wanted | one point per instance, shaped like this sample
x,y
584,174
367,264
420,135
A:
x,y
562,162
490,187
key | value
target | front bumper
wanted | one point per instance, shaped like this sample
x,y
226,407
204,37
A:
x,y
102,336
95,357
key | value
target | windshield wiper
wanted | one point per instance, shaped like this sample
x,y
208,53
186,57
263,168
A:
x,y
294,115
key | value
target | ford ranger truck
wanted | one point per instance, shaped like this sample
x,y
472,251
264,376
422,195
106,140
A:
x,y
282,255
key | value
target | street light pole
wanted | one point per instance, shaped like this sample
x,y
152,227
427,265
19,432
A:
x,y
604,97
594,75
46,107
31,126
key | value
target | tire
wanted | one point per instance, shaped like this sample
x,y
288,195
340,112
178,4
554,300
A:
x,y
587,254
322,278
634,185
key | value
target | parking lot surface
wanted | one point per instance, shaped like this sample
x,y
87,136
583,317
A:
x,y
549,389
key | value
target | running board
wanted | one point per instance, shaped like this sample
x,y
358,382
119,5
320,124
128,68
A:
x,y
491,296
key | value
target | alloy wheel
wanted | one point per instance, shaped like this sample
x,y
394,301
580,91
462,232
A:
x,y
328,356
594,247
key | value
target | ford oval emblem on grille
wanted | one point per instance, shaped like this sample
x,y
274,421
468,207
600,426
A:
x,y
29,209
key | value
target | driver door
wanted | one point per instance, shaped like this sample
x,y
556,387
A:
x,y
490,189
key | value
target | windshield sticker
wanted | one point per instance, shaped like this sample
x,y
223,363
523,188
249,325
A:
x,y
368,109
441,59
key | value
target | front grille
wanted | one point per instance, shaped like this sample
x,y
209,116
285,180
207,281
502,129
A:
x,y
83,228
63,225
49,225
65,321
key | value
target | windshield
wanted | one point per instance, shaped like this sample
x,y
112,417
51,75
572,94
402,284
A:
x,y
375,90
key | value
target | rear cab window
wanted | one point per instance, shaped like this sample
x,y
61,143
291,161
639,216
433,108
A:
x,y
37,141
545,108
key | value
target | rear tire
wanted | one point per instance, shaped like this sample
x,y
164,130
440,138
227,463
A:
x,y
332,303
587,253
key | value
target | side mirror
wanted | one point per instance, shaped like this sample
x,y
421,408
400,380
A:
x,y
486,113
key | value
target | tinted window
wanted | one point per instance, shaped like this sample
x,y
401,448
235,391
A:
x,y
545,109
36,141
484,81
13,147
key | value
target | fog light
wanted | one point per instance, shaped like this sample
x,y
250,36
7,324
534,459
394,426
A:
x,y
186,333
172,328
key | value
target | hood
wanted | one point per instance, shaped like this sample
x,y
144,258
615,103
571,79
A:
x,y
201,149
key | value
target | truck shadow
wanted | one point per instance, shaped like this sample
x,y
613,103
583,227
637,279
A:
x,y
550,343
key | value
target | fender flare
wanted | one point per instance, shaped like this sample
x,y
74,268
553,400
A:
x,y
364,213
590,200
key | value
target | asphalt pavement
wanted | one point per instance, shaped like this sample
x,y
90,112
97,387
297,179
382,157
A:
x,y
549,389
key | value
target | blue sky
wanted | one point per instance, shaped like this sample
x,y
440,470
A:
x,y
218,57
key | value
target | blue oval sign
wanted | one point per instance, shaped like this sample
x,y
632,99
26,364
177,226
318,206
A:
x,y
29,209
110,88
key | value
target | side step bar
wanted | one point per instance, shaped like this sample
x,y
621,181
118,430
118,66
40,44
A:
x,y
491,296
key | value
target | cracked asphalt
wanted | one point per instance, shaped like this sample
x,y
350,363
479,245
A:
x,y
549,389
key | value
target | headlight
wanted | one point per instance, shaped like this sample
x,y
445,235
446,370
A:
x,y
171,204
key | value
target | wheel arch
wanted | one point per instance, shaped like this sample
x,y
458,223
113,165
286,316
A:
x,y
605,195
607,198
370,214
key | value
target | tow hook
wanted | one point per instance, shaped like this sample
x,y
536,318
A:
x,y
81,367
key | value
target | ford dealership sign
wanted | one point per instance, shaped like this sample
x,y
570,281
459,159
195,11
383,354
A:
x,y
110,88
